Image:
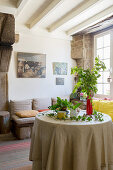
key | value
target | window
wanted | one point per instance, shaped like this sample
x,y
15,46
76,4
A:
x,y
102,49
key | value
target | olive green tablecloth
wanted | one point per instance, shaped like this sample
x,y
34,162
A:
x,y
70,145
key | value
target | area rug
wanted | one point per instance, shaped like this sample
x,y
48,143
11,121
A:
x,y
29,167
14,155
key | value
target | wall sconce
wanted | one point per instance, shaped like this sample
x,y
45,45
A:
x,y
76,77
109,79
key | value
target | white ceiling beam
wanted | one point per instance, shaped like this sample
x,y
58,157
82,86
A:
x,y
91,21
20,6
6,9
75,12
19,2
52,6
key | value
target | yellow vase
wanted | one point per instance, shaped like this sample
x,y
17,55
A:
x,y
61,114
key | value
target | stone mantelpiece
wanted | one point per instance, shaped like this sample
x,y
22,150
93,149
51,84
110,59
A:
x,y
7,38
82,50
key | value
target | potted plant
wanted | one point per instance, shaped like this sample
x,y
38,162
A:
x,y
73,109
87,80
60,107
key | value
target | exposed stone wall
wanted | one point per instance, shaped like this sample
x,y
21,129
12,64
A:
x,y
82,50
3,92
7,38
5,56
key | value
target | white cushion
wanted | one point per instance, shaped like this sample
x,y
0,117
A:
x,y
41,103
20,105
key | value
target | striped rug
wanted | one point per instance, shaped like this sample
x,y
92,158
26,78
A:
x,y
29,167
14,155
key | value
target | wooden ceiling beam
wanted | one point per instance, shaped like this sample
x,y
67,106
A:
x,y
6,9
52,6
20,6
74,13
19,3
91,21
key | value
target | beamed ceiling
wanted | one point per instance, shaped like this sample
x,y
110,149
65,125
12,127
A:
x,y
62,16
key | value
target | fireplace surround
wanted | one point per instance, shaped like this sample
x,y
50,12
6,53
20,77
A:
x,y
7,39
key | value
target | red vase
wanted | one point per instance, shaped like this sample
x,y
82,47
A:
x,y
89,109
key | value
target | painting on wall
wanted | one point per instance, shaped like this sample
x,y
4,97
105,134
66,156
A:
x,y
59,68
59,81
31,65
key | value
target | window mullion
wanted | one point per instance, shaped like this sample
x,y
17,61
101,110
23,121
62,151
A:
x,y
101,44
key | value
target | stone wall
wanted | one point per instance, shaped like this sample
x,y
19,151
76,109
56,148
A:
x,y
3,91
82,50
7,38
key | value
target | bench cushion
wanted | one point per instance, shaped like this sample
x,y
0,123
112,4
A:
x,y
23,121
26,113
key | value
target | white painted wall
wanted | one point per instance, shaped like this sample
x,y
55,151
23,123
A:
x,y
56,50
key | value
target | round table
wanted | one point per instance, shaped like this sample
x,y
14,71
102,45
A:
x,y
71,145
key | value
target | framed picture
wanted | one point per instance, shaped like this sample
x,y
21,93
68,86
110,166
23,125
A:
x,y
59,81
59,68
31,65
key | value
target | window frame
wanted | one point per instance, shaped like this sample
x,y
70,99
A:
x,y
111,59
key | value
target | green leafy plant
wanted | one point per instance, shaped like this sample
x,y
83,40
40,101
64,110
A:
x,y
89,118
51,114
98,115
83,118
61,105
87,79
73,106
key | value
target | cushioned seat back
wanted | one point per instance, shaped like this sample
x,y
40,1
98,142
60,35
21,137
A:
x,y
106,107
16,106
96,104
103,106
41,103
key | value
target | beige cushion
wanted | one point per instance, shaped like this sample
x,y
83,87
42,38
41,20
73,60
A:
x,y
20,105
54,100
27,113
19,120
41,103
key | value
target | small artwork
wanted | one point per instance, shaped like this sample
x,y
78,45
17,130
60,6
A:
x,y
59,68
31,65
59,81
